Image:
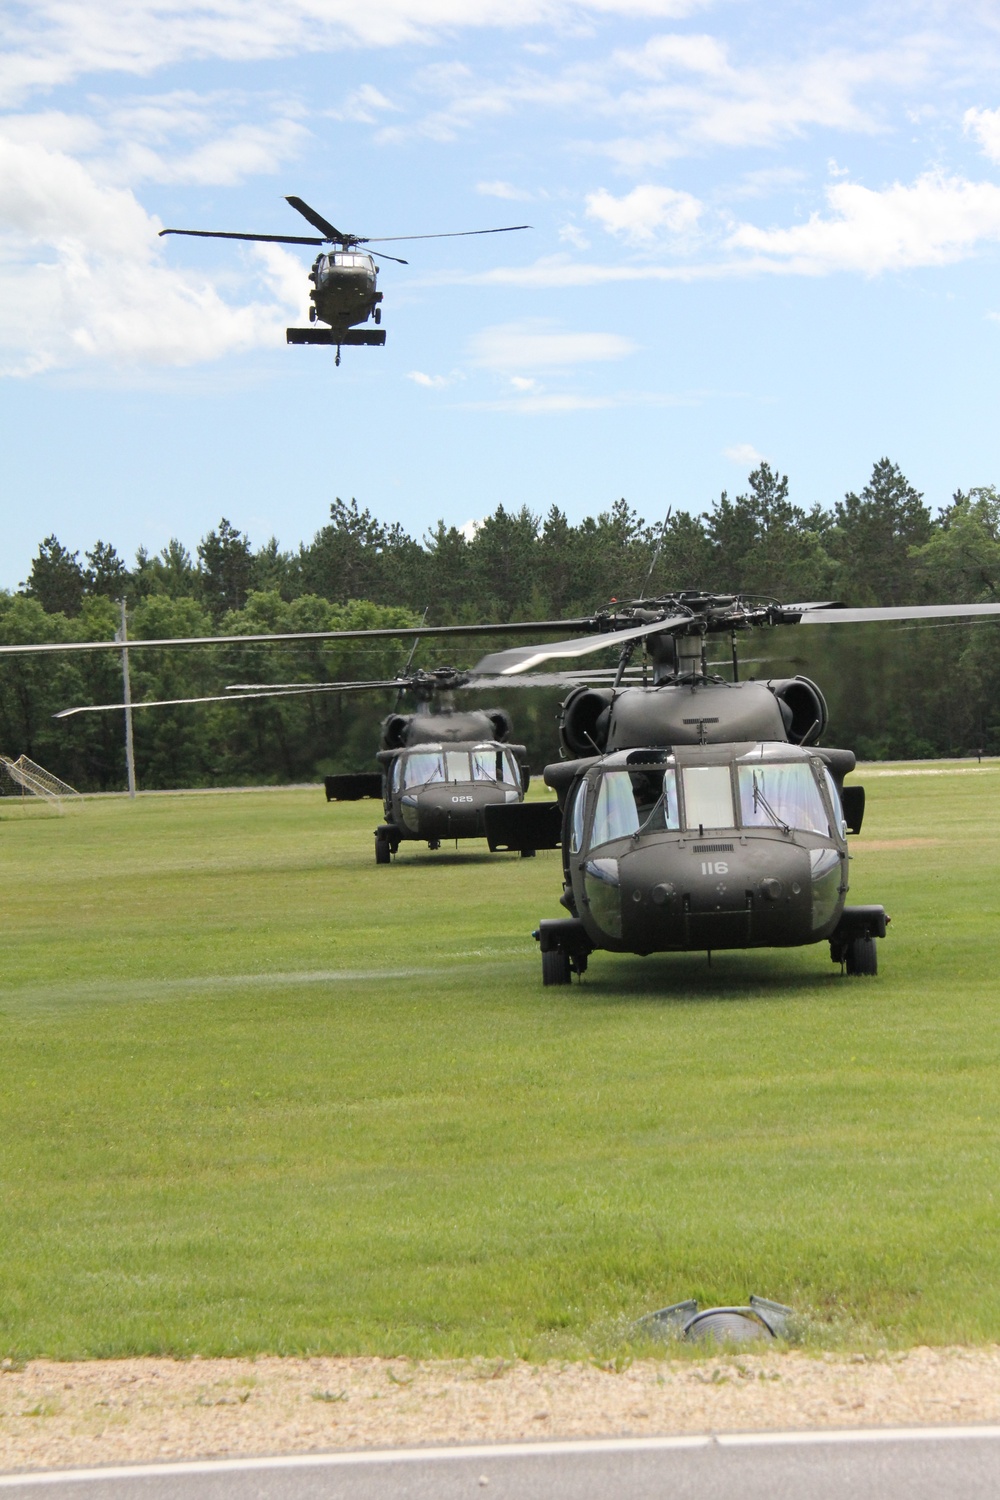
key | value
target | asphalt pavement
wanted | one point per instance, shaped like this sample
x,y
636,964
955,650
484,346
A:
x,y
870,1464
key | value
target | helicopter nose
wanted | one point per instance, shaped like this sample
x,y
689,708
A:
x,y
772,889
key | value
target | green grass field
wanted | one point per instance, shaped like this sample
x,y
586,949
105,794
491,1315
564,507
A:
x,y
257,1094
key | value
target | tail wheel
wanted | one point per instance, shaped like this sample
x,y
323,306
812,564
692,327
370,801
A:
x,y
383,853
555,967
861,956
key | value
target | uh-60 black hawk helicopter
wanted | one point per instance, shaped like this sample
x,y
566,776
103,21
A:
x,y
439,768
696,813
344,291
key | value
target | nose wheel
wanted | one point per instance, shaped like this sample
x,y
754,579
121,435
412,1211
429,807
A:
x,y
386,844
337,360
556,967
861,956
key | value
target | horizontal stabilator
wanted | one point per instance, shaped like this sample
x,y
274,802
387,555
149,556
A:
x,y
327,336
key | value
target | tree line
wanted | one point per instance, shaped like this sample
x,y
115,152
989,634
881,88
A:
x,y
893,691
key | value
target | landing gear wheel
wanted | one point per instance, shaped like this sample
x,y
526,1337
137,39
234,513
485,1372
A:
x,y
527,853
555,967
383,850
861,956
378,315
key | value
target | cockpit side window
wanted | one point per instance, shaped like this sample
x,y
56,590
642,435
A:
x,y
577,817
835,803
615,814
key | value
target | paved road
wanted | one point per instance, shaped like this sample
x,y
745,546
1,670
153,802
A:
x,y
882,1464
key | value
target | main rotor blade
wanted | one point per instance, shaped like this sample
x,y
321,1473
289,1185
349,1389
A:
x,y
454,234
384,255
275,689
477,684
522,658
268,239
316,219
103,708
395,633
895,612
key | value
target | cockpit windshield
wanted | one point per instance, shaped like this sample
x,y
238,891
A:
x,y
492,764
781,794
423,767
640,798
351,260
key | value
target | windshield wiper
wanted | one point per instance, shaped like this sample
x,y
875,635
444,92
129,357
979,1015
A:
x,y
759,800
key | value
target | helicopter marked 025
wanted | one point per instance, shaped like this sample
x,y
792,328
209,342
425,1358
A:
x,y
344,280
440,768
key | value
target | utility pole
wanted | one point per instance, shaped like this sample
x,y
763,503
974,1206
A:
x,y
122,635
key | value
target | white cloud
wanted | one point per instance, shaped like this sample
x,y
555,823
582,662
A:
x,y
935,221
243,151
768,181
715,102
540,403
469,529
533,345
82,278
640,214
429,382
985,125
570,234
53,129
744,454
505,190
179,137
56,41
363,105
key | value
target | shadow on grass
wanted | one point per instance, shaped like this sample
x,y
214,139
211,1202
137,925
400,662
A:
x,y
685,978
429,858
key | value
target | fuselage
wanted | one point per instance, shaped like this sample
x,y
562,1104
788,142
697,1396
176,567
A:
x,y
344,292
435,791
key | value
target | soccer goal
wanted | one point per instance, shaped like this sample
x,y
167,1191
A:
x,y
26,779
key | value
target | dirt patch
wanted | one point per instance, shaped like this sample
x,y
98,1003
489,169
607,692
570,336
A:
x,y
54,1415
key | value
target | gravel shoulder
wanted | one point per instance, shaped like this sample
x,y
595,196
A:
x,y
54,1415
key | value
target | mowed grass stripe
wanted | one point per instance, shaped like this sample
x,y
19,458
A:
x,y
431,1154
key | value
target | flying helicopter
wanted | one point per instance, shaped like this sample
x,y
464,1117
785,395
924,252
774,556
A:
x,y
344,277
697,813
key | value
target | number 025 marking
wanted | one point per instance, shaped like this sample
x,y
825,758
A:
x,y
714,867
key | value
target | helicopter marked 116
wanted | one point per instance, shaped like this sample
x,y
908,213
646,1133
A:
x,y
344,279
665,778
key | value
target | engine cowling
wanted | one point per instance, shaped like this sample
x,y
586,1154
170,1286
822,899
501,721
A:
x,y
584,721
803,708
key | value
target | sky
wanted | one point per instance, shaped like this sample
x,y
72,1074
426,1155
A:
x,y
761,229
